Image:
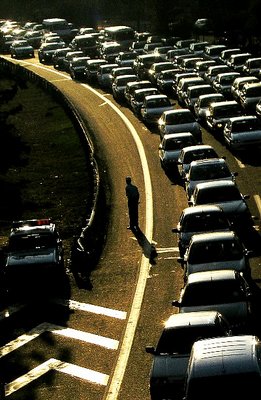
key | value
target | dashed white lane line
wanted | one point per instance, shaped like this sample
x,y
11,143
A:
x,y
60,366
58,330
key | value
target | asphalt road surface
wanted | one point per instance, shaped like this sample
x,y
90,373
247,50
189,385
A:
x,y
92,346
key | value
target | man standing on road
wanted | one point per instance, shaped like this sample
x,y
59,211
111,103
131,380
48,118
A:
x,y
133,196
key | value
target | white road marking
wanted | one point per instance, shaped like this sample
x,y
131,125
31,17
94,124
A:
x,y
109,312
59,330
60,366
144,266
167,250
258,202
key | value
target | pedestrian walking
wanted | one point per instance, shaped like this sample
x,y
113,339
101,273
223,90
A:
x,y
133,196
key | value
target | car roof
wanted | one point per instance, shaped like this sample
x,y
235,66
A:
x,y
178,111
246,78
156,96
224,103
191,319
211,275
212,236
177,135
208,161
224,355
202,209
221,184
210,95
243,118
197,147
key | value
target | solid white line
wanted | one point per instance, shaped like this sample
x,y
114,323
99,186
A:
x,y
167,250
60,366
59,330
258,202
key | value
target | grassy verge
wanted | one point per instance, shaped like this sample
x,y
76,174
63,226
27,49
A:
x,y
45,173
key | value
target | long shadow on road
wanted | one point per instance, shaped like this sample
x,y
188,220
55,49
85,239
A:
x,y
148,248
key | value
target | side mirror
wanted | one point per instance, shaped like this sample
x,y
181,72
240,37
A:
x,y
175,230
190,203
150,349
180,260
160,146
175,303
235,173
246,196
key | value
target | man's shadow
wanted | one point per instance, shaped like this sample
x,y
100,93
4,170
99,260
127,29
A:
x,y
148,248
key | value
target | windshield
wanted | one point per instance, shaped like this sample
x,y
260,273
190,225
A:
x,y
218,194
182,118
226,250
31,242
204,223
198,155
209,172
213,292
246,125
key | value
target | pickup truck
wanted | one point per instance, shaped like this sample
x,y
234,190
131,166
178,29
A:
x,y
33,256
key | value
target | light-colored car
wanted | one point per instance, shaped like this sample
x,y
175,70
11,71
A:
x,y
243,133
184,84
193,153
252,66
227,195
223,82
172,352
202,103
193,93
219,113
153,106
202,66
91,69
104,74
239,83
170,147
125,58
249,96
208,170
165,80
179,120
199,219
225,291
132,86
213,70
157,68
213,51
225,54
224,367
237,61
119,85
138,97
210,251
21,49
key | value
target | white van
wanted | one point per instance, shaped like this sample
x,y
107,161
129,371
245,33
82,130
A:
x,y
224,368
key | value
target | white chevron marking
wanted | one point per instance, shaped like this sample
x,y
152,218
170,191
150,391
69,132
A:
x,y
109,312
60,366
68,332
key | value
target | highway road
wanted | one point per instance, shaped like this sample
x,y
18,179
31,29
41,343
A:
x,y
92,346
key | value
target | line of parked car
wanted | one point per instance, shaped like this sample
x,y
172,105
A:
x,y
208,349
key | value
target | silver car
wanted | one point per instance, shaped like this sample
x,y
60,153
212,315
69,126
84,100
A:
x,y
170,147
210,251
209,170
226,291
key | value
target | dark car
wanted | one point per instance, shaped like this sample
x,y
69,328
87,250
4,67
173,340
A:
x,y
172,352
47,50
225,291
21,49
223,83
199,219
243,133
58,57
138,97
227,195
179,120
77,67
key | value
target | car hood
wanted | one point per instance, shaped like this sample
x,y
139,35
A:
x,y
173,366
247,136
44,256
237,265
182,128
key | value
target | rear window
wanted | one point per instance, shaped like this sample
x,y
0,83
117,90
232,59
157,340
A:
x,y
218,194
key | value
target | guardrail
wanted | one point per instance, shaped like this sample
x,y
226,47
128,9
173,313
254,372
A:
x,y
93,233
